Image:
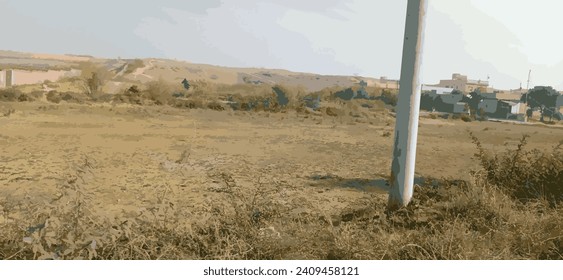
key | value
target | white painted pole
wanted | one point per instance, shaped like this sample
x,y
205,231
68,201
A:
x,y
408,107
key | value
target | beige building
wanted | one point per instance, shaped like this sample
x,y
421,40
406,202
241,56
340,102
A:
x,y
508,96
461,83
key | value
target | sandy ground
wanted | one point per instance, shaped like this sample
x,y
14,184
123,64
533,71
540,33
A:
x,y
133,153
141,71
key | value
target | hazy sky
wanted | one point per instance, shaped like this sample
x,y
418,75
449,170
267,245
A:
x,y
501,39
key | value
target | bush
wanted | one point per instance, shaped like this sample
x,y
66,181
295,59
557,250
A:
x,y
346,94
447,219
160,92
9,94
53,96
466,118
56,97
331,111
93,76
192,103
132,95
281,95
214,105
288,97
203,88
526,175
134,65
240,90
389,97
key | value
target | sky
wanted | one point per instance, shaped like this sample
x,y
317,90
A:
x,y
497,39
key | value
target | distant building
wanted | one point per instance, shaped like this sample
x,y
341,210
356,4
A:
x,y
7,78
461,108
436,90
559,106
461,83
447,103
511,110
507,108
509,95
559,101
488,106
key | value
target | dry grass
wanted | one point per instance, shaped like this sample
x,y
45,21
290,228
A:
x,y
205,95
510,209
447,219
525,175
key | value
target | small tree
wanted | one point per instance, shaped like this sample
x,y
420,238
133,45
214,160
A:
x,y
541,97
473,101
281,95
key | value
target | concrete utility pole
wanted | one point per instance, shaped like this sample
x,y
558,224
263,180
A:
x,y
528,83
408,107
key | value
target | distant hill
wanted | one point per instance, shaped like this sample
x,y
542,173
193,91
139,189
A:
x,y
147,69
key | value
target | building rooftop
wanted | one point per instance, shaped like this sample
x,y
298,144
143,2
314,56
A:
x,y
508,96
479,82
439,90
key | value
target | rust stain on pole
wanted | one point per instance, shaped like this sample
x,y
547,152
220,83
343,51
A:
x,y
408,107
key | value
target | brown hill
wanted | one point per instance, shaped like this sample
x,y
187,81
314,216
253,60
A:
x,y
148,69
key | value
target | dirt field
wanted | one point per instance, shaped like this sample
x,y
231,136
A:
x,y
128,156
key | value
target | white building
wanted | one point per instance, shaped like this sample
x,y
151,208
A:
x,y
437,90
7,78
